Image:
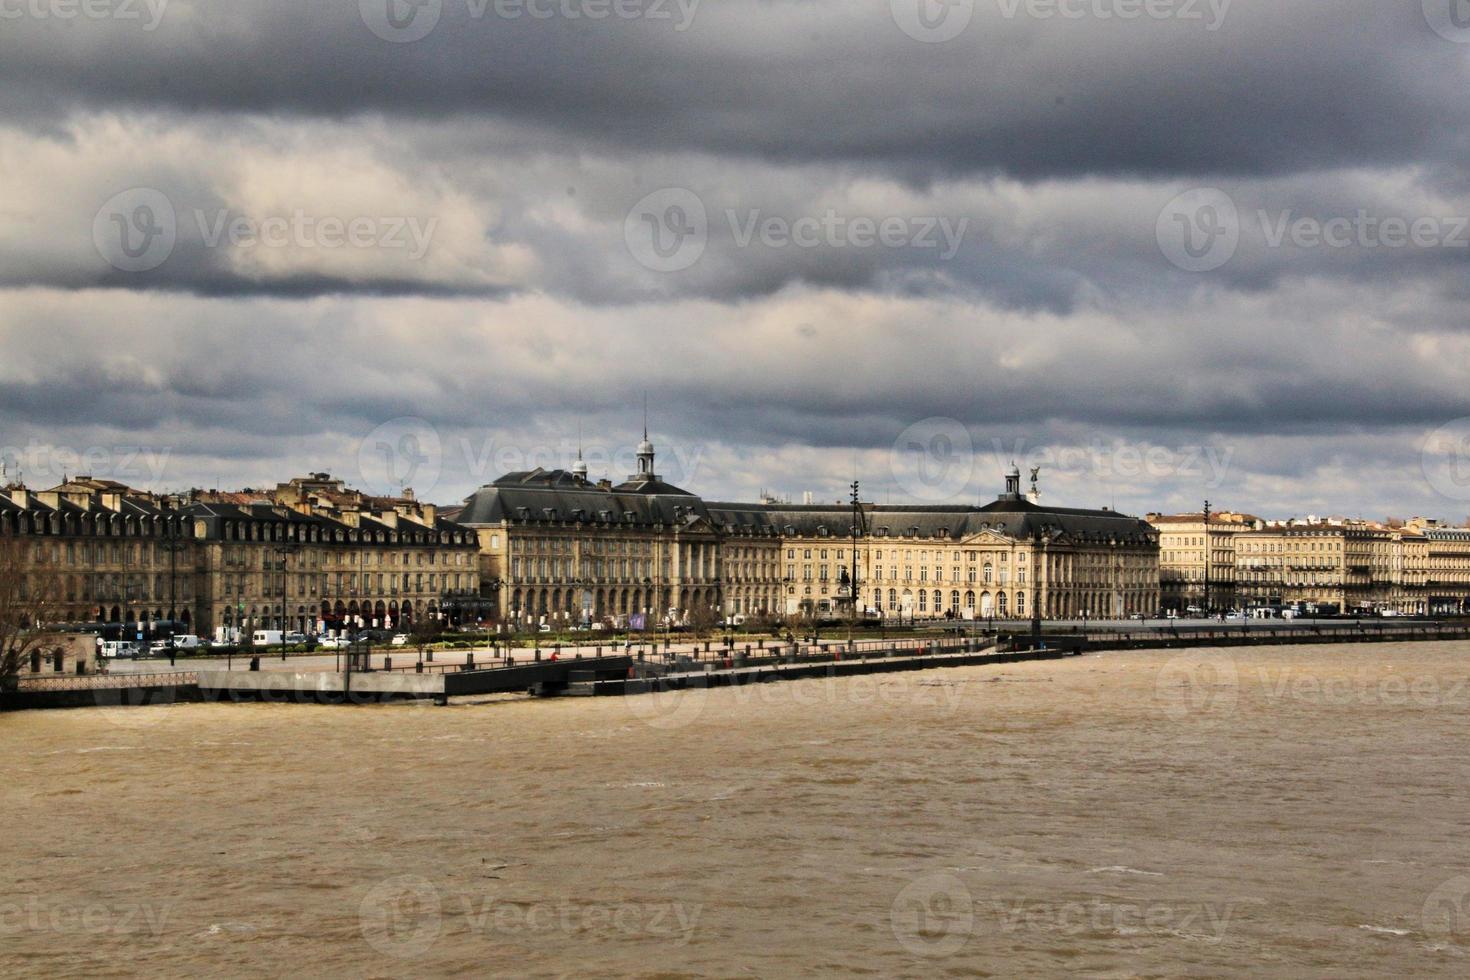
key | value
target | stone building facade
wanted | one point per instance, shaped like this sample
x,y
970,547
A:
x,y
254,560
558,548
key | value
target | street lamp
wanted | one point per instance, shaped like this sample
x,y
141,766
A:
x,y
283,552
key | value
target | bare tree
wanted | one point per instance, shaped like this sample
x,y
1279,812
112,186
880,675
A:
x,y
30,594
423,632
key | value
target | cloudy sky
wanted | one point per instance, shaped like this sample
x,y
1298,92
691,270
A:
x,y
1164,250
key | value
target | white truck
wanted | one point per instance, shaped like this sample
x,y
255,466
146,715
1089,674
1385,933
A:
x,y
266,638
116,649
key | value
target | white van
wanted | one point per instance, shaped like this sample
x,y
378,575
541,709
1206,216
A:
x,y
266,638
115,649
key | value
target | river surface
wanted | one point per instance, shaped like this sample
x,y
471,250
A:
x,y
1286,811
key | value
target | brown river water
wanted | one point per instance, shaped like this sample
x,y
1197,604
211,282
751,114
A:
x,y
1292,811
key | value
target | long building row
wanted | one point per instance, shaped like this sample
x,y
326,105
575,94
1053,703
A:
x,y
554,547
1232,560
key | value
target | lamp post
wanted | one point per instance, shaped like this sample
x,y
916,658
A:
x,y
283,552
1206,603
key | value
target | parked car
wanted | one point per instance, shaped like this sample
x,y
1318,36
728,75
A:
x,y
400,639
334,643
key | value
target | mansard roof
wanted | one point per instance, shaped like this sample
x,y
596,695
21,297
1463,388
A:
x,y
557,496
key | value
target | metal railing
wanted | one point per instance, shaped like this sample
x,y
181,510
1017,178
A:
x,y
95,682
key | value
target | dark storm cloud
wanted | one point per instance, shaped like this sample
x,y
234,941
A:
x,y
1057,318
1277,87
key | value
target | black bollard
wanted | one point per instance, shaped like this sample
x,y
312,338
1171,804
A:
x,y
388,663
419,667
255,664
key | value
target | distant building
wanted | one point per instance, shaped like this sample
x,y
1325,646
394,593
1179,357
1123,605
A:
x,y
559,548
309,554
1184,542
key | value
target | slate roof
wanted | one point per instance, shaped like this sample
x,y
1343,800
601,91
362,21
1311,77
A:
x,y
556,496
559,497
